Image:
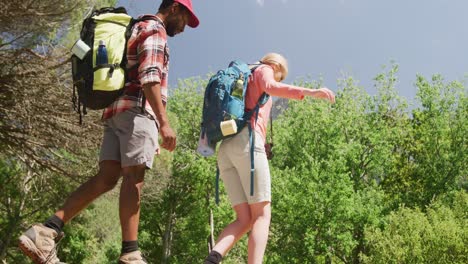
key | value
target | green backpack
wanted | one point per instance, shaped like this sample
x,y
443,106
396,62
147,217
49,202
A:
x,y
97,86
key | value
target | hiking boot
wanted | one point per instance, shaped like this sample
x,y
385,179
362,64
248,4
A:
x,y
39,243
134,257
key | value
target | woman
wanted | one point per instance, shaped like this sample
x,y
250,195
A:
x,y
253,213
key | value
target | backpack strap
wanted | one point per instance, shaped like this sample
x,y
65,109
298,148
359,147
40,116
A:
x,y
254,66
264,97
123,64
252,158
118,10
261,101
111,66
217,185
129,32
252,140
271,127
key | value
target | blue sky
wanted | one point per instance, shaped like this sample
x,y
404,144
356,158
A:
x,y
324,38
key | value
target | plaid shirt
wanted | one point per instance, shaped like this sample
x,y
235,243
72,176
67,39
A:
x,y
147,46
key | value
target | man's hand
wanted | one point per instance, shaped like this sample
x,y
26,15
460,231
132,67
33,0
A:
x,y
153,95
168,138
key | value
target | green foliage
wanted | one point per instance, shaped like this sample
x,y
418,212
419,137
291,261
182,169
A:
x,y
78,245
42,154
366,180
325,191
179,216
358,162
24,197
438,235
94,236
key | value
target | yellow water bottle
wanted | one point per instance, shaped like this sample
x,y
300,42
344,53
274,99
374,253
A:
x,y
238,88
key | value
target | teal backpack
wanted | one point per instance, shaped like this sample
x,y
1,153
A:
x,y
223,101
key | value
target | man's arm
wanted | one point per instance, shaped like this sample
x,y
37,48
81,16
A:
x,y
152,93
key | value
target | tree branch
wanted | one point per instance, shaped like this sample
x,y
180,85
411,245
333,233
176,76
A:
x,y
10,42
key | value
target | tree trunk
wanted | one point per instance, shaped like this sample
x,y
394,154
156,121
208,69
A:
x,y
211,240
168,235
359,236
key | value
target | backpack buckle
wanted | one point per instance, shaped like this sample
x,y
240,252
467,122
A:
x,y
112,68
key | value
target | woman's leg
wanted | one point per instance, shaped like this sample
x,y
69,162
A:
x,y
232,181
258,238
235,230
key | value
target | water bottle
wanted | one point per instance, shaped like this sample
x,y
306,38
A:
x,y
238,89
204,147
101,55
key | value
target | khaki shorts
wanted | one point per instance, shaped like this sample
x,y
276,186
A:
x,y
130,138
234,169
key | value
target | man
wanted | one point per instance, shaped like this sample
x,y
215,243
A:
x,y
130,136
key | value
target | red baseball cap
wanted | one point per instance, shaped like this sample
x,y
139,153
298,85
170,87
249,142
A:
x,y
193,23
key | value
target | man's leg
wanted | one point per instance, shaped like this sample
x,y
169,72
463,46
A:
x,y
138,140
38,242
129,203
130,194
104,181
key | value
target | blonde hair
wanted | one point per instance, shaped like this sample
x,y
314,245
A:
x,y
276,59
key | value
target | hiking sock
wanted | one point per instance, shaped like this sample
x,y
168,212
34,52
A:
x,y
213,258
55,223
129,246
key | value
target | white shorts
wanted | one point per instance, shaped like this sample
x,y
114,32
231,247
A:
x,y
234,168
130,138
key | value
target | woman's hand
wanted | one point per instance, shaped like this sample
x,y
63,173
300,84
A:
x,y
328,94
322,93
